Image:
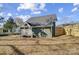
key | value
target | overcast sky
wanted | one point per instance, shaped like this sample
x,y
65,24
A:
x,y
66,12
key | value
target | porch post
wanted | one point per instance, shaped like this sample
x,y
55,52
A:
x,y
53,29
31,33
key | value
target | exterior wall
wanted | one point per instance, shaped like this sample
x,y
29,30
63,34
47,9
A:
x,y
18,30
26,31
42,31
59,31
46,31
1,30
72,30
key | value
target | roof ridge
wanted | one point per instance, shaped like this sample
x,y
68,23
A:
x,y
44,16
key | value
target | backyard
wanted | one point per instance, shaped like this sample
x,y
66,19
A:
x,y
16,45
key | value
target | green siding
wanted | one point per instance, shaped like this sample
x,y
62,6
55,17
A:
x,y
42,31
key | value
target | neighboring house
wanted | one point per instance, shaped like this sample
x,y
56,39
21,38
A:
x,y
1,24
1,27
42,26
1,30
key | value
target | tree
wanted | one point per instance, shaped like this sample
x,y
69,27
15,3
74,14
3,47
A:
x,y
9,24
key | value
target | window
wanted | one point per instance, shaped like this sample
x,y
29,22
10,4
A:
x,y
22,28
26,27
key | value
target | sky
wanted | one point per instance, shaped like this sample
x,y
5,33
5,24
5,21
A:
x,y
65,12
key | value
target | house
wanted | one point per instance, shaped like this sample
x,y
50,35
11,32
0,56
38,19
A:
x,y
42,26
1,30
1,27
26,30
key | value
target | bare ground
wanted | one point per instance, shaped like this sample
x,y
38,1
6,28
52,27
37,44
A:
x,y
16,45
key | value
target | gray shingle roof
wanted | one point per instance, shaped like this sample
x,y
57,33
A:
x,y
42,20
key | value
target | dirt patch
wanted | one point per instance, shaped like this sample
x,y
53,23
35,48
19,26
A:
x,y
62,45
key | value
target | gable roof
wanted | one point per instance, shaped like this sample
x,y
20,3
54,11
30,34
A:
x,y
42,20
